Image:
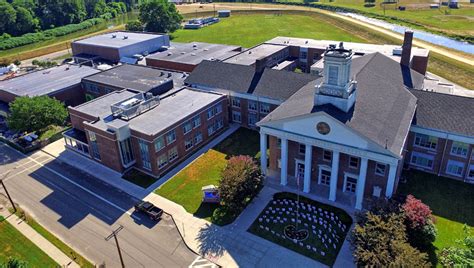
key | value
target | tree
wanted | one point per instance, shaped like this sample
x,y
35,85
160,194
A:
x,y
134,25
14,263
240,181
381,241
7,18
25,22
160,16
420,222
461,255
36,113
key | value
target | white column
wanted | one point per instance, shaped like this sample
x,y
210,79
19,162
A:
x,y
284,162
308,153
392,173
361,183
334,176
263,152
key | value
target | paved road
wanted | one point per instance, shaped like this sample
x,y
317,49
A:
x,y
60,197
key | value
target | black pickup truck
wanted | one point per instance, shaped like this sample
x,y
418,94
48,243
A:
x,y
149,209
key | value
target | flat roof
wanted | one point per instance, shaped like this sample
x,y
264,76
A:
x,y
173,108
107,39
138,77
195,52
249,56
356,47
47,81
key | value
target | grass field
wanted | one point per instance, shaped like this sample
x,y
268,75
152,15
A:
x,y
185,187
418,14
452,203
13,244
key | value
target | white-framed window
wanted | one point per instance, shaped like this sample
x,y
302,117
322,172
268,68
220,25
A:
x,y
219,124
252,120
159,143
210,130
196,121
459,148
325,177
264,108
198,138
162,160
188,144
144,154
187,127
172,154
327,155
422,160
235,102
214,110
236,117
470,174
333,75
380,169
171,136
301,148
454,168
353,162
94,146
351,184
426,141
252,106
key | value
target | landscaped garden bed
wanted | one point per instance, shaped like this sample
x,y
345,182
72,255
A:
x,y
317,232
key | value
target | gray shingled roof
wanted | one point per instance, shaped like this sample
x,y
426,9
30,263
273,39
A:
x,y
383,109
271,83
450,113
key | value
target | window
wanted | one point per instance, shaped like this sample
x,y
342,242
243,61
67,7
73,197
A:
x,y
459,148
91,88
333,73
235,103
471,172
196,121
264,108
159,143
278,143
94,145
144,154
171,136
422,160
172,154
162,161
210,130
301,148
217,109
327,155
325,177
236,117
426,141
187,127
455,168
252,106
219,124
126,151
353,162
188,144
198,138
303,54
380,169
351,184
252,119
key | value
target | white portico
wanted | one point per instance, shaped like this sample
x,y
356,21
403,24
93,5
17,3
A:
x,y
318,133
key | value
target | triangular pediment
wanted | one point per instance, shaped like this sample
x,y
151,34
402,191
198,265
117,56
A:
x,y
322,126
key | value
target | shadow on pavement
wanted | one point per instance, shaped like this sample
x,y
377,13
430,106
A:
x,y
211,241
142,219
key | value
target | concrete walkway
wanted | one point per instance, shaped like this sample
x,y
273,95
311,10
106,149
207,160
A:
x,y
46,246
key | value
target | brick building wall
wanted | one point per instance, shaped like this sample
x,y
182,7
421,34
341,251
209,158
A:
x,y
170,65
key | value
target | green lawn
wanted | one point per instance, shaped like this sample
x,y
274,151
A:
x,y
275,219
185,187
13,244
452,203
248,30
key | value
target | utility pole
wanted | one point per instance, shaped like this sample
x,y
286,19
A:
x,y
114,235
6,191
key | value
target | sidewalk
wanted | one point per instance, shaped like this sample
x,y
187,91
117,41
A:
x,y
46,246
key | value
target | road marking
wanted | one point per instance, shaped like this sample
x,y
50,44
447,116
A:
x,y
76,184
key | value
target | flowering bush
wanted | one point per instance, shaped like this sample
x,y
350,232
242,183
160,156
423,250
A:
x,y
420,222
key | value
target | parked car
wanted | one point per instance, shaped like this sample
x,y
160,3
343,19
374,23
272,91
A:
x,y
149,209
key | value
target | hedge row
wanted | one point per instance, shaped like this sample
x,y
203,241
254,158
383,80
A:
x,y
31,38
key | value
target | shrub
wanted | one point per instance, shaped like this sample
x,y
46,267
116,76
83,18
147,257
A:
x,y
461,255
419,222
240,182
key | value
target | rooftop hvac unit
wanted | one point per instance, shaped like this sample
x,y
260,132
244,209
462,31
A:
x,y
129,103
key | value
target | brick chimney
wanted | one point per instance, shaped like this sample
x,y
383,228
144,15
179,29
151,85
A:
x,y
406,48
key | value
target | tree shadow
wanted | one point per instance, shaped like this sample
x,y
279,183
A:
x,y
241,142
205,210
211,241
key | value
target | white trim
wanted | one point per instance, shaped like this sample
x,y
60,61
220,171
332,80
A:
x,y
352,175
326,168
298,161
442,134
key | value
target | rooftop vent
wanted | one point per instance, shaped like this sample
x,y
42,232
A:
x,y
193,54
114,36
306,42
195,45
162,73
170,53
206,49
169,74
125,37
182,52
